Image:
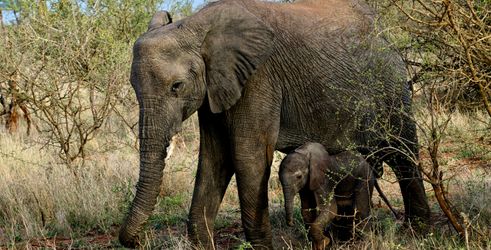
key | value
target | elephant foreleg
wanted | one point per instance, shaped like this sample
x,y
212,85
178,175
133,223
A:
x,y
214,172
211,184
252,173
309,207
327,213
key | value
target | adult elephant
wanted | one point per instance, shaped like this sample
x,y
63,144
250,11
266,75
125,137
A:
x,y
266,76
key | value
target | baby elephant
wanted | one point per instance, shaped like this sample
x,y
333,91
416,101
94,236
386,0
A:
x,y
334,184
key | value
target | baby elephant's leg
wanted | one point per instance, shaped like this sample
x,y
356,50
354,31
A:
x,y
309,207
363,194
327,214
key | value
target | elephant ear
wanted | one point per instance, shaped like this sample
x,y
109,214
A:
x,y
236,44
318,168
159,19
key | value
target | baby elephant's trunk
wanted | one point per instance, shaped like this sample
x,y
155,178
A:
x,y
289,197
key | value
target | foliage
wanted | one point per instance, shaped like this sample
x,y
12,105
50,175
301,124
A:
x,y
181,8
448,46
70,65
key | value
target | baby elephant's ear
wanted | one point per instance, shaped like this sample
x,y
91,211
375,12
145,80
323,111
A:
x,y
318,168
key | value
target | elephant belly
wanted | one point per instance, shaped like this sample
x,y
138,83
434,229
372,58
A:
x,y
328,111
334,133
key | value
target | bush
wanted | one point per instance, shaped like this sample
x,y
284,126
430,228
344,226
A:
x,y
69,65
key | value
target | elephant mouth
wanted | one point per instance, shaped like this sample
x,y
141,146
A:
x,y
172,146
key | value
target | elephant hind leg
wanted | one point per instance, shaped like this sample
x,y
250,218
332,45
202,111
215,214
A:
x,y
411,183
253,198
342,227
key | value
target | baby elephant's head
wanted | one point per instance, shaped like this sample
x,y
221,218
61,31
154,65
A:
x,y
303,168
294,173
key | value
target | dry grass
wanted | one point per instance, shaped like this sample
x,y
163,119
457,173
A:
x,y
46,204
42,199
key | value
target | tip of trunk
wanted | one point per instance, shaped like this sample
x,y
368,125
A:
x,y
289,222
127,240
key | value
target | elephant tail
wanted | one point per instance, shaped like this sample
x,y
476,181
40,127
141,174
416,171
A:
x,y
384,198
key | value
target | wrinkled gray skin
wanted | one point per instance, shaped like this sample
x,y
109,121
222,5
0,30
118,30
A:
x,y
264,77
340,184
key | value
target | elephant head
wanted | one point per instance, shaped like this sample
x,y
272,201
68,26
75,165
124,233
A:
x,y
305,167
203,61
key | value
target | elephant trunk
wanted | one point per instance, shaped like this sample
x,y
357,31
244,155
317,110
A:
x,y
289,197
153,143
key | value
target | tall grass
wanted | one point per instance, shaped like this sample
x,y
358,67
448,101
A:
x,y
41,198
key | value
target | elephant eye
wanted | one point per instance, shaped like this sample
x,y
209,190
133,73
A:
x,y
299,176
176,86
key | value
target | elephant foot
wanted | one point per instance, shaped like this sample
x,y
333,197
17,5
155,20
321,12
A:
x,y
418,214
321,244
199,236
128,241
260,242
363,226
265,246
416,224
